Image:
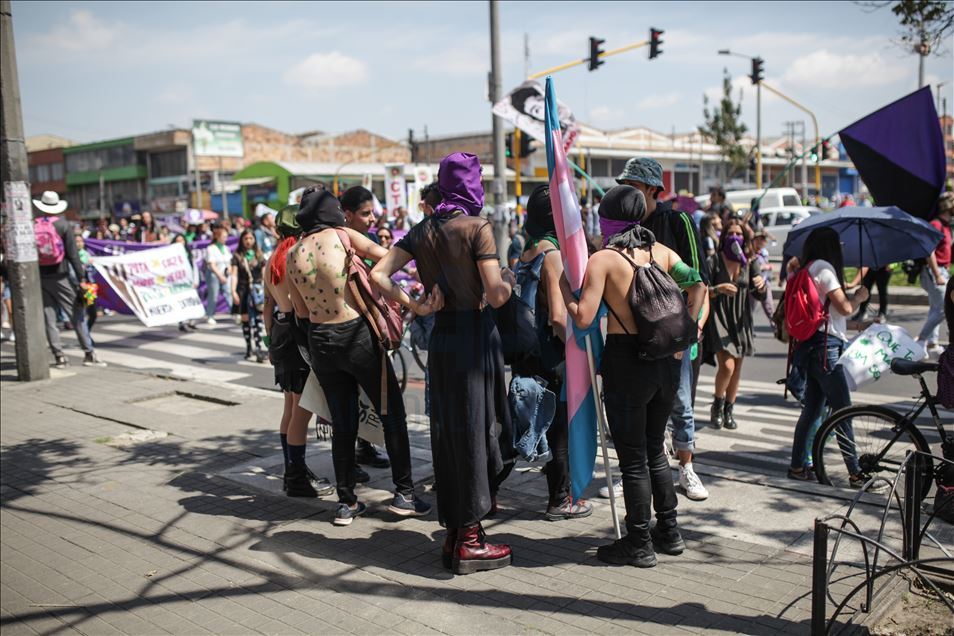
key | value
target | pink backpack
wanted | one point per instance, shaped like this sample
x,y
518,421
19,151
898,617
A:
x,y
49,245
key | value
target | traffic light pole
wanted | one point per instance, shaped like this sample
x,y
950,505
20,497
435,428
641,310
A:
x,y
23,272
499,186
758,135
586,60
518,185
818,139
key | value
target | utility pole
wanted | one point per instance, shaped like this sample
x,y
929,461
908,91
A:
x,y
500,163
23,271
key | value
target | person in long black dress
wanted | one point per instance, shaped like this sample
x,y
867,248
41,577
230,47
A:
x,y
471,435
729,334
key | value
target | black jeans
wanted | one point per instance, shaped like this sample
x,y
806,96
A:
x,y
639,396
557,469
346,356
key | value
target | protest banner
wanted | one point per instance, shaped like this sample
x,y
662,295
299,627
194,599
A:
x,y
395,187
422,176
370,427
109,299
869,355
156,284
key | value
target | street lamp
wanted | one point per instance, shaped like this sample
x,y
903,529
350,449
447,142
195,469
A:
x,y
757,80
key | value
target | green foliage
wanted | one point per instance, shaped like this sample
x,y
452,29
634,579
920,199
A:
x,y
925,22
723,127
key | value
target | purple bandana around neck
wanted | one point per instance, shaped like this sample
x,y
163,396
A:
x,y
732,249
458,180
609,227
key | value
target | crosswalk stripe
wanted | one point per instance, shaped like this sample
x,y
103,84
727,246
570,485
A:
x,y
185,371
183,351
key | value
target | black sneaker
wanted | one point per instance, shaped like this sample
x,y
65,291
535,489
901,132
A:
x,y
182,327
409,507
859,480
346,514
625,552
361,476
61,362
322,485
667,541
569,509
368,455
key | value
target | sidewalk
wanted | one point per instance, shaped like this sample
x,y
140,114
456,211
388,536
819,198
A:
x,y
189,534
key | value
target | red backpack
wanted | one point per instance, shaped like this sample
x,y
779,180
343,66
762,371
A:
x,y
805,312
49,245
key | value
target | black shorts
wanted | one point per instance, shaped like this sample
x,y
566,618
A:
x,y
291,369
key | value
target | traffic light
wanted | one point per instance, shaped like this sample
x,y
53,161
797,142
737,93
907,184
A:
x,y
525,148
509,151
758,70
814,153
655,42
595,52
825,151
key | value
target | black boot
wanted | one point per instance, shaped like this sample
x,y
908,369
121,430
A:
x,y
368,455
716,413
297,482
665,534
728,419
636,548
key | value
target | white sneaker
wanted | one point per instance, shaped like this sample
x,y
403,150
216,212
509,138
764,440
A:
x,y
211,322
617,489
689,481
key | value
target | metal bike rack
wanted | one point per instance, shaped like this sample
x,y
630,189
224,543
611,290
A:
x,y
913,469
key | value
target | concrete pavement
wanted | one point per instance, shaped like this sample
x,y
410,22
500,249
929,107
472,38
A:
x,y
189,533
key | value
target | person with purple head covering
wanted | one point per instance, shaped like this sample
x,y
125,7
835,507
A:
x,y
471,436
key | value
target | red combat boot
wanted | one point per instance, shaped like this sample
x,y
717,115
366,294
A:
x,y
472,553
447,550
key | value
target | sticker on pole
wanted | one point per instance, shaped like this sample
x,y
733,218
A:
x,y
19,240
525,108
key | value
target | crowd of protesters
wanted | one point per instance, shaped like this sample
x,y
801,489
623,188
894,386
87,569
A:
x,y
311,287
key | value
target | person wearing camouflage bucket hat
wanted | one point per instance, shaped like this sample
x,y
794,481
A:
x,y
641,170
677,231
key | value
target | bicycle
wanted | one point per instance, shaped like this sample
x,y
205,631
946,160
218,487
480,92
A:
x,y
879,437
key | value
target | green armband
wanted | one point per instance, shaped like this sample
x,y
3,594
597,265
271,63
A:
x,y
684,275
266,340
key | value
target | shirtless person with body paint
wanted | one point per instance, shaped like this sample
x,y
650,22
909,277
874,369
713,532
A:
x,y
345,354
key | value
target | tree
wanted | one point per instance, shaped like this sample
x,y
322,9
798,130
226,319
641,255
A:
x,y
924,25
724,128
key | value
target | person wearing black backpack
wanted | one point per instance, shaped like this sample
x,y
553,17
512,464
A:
x,y
677,231
541,267
650,328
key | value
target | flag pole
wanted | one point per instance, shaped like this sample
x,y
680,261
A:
x,y
583,174
601,427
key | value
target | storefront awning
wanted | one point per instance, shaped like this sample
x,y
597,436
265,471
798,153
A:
x,y
251,181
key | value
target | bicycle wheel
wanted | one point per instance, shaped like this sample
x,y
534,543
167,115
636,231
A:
x,y
420,356
400,367
877,437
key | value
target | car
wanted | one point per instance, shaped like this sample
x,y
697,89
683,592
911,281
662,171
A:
x,y
779,221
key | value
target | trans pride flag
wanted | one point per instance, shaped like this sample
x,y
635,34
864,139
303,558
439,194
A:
x,y
580,394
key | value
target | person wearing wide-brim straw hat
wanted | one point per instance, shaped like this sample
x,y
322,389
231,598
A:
x,y
57,255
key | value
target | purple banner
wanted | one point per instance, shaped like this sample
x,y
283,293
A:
x,y
108,299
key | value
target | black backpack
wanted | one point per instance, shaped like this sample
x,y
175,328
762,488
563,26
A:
x,y
516,319
664,326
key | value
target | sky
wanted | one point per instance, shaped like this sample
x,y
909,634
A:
x,y
96,70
